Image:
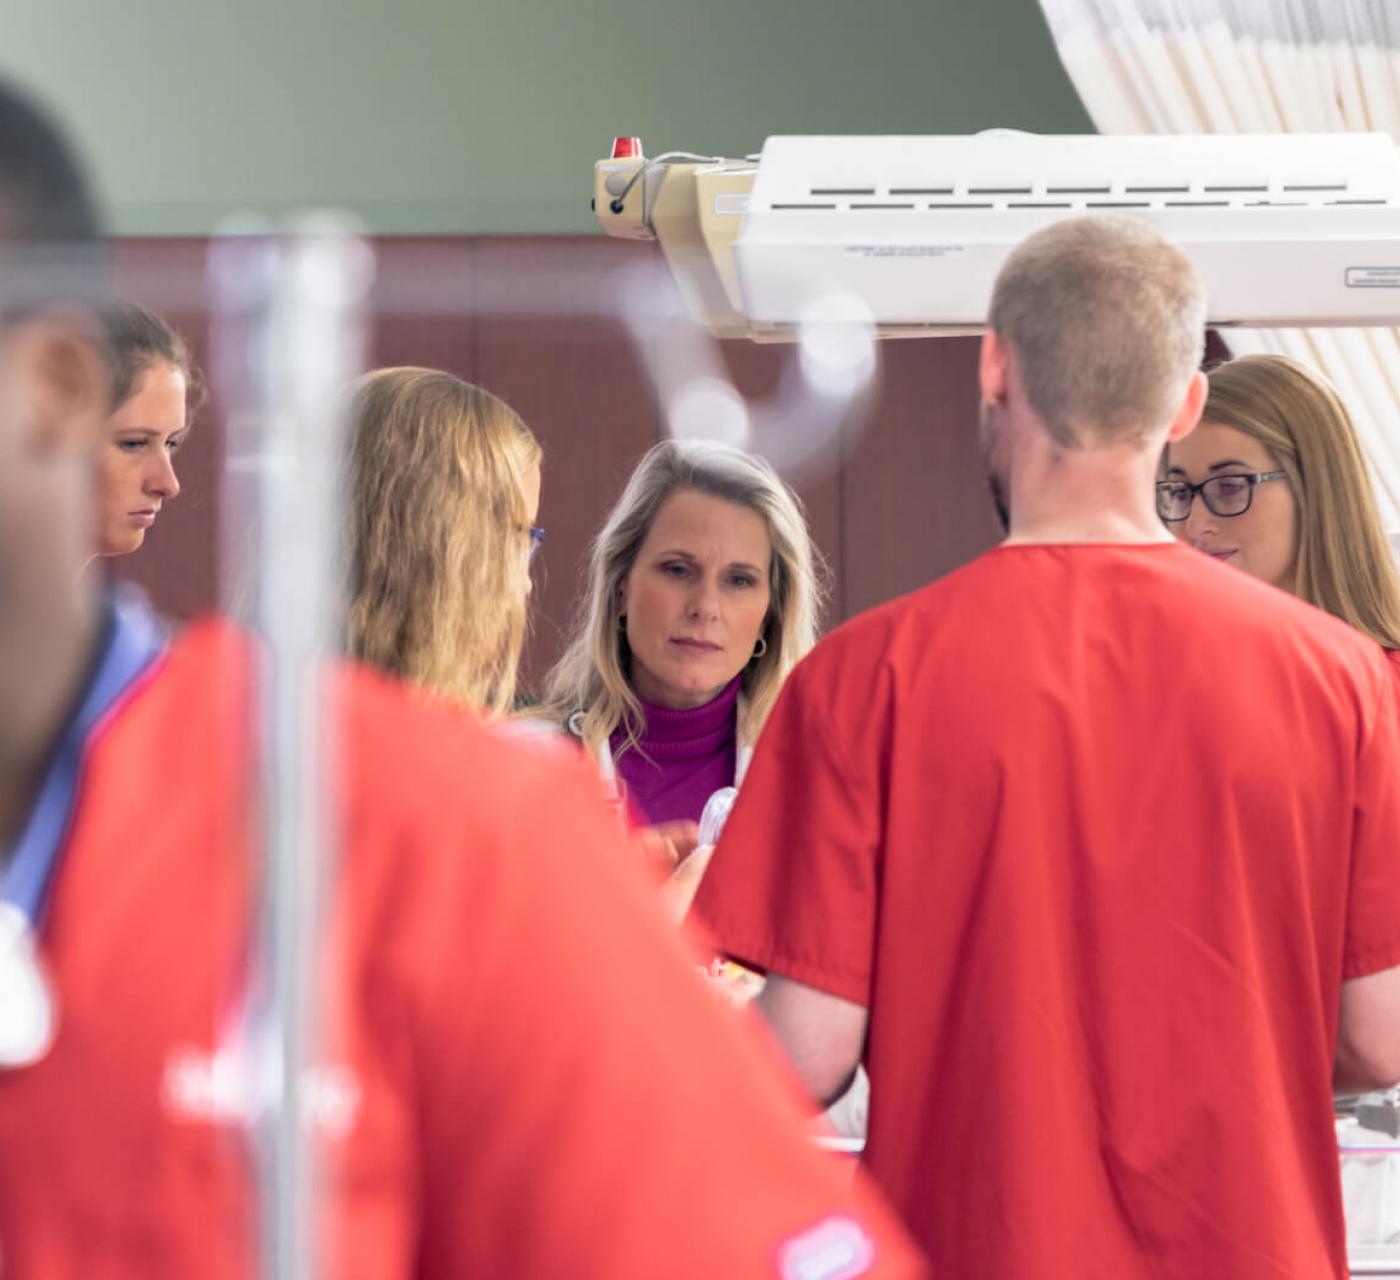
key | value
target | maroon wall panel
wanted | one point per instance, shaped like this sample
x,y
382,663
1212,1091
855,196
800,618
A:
x,y
756,370
427,315
915,497
906,503
578,383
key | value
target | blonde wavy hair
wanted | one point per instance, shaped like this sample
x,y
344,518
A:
x,y
591,679
1345,564
439,573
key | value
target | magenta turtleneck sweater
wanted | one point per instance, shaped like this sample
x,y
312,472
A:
x,y
684,758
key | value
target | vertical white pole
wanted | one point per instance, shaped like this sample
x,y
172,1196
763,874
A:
x,y
289,337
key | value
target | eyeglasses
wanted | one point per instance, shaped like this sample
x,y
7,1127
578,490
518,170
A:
x,y
536,541
1223,495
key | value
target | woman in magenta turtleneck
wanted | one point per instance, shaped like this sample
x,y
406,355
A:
x,y
702,597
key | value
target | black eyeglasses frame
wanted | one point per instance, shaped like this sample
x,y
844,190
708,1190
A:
x,y
1254,479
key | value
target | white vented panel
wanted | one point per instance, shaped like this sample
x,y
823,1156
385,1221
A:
x,y
1286,229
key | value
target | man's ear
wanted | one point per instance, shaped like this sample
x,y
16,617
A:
x,y
57,358
992,373
1189,414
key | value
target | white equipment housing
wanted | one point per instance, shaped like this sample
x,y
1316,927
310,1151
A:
x,y
1285,229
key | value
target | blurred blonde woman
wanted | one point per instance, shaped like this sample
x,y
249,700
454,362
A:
x,y
1274,481
444,494
702,595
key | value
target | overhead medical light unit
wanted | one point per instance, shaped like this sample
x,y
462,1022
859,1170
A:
x,y
1286,229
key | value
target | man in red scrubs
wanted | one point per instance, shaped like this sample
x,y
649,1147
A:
x,y
1091,850
521,1075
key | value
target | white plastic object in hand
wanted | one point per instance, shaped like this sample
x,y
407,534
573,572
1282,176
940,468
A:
x,y
715,814
27,1020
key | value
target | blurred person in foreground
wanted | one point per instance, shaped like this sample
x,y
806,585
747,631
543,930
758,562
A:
x,y
1090,850
519,1075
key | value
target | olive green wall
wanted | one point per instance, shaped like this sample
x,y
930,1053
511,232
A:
x,y
486,115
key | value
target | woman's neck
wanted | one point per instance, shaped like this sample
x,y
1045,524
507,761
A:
x,y
669,725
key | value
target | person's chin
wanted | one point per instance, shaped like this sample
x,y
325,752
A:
x,y
131,540
693,683
700,683
714,669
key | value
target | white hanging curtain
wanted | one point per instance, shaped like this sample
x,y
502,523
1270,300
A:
x,y
1258,66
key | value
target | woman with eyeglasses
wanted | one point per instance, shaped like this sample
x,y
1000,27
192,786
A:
x,y
1274,481
444,492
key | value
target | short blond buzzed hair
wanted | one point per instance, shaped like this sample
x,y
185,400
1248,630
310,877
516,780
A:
x,y
1107,320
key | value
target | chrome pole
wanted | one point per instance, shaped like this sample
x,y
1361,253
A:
x,y
289,336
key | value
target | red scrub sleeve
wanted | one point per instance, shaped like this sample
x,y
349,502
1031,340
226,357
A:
x,y
793,887
1373,905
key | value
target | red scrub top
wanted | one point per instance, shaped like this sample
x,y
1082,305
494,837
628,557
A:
x,y
521,1075
1096,833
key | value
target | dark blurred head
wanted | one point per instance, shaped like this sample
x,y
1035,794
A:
x,y
43,194
54,376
